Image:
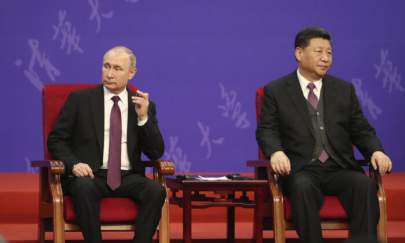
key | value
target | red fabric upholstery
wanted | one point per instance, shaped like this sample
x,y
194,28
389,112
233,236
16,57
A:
x,y
53,98
112,210
259,101
332,208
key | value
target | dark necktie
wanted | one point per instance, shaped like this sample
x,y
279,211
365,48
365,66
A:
x,y
114,152
313,100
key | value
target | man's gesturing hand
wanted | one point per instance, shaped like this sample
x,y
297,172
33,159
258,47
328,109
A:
x,y
280,163
141,102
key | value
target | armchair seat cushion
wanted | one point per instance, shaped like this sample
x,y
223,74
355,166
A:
x,y
331,209
112,210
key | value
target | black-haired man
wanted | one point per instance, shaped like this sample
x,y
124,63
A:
x,y
308,124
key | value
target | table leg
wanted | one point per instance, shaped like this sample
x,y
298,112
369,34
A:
x,y
258,216
230,229
187,216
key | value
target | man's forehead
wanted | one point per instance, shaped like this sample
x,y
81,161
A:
x,y
116,58
320,42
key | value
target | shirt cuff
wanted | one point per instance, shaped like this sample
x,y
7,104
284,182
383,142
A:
x,y
142,122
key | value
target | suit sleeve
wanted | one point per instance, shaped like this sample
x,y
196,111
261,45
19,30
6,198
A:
x,y
60,138
151,140
363,135
267,132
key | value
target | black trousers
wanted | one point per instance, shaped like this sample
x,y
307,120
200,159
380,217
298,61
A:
x,y
356,191
86,194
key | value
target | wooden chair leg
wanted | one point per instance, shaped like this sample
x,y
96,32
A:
x,y
58,236
278,221
382,224
164,226
279,232
58,229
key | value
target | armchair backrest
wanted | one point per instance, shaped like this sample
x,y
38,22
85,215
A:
x,y
259,102
53,98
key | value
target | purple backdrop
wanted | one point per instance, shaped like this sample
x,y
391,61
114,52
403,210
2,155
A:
x,y
201,61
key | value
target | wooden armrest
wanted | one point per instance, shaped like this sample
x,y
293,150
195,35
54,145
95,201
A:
x,y
271,176
54,166
164,167
262,164
375,175
363,162
372,172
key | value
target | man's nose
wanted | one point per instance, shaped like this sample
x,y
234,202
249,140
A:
x,y
110,73
325,57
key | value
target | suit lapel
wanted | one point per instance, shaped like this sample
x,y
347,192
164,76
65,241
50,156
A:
x,y
97,109
295,93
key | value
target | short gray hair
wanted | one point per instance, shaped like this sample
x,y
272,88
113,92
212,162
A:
x,y
131,55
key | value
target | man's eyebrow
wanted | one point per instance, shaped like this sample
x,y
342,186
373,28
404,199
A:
x,y
112,65
115,66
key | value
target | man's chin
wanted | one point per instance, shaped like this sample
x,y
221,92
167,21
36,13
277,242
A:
x,y
110,87
322,73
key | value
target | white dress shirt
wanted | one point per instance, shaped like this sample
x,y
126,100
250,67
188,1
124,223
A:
x,y
304,83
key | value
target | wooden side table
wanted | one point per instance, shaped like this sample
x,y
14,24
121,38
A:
x,y
193,199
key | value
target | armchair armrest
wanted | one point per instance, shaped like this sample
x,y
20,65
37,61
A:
x,y
263,170
163,167
54,166
372,172
50,194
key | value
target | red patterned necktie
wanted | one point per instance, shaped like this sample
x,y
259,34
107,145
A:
x,y
313,100
114,152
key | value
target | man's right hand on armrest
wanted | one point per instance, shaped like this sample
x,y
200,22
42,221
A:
x,y
280,163
82,169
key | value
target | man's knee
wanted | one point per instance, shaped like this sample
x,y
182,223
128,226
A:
x,y
301,183
155,192
82,186
365,184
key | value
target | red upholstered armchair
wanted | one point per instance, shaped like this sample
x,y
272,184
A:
x,y
56,211
333,216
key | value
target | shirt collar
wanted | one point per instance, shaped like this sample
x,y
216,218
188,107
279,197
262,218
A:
x,y
304,82
108,95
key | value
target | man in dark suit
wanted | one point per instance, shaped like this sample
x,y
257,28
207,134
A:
x,y
308,124
99,135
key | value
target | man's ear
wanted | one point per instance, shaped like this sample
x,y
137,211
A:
x,y
298,54
132,72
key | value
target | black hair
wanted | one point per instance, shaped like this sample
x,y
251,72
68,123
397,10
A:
x,y
304,36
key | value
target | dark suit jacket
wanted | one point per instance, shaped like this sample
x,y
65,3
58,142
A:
x,y
78,134
285,124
